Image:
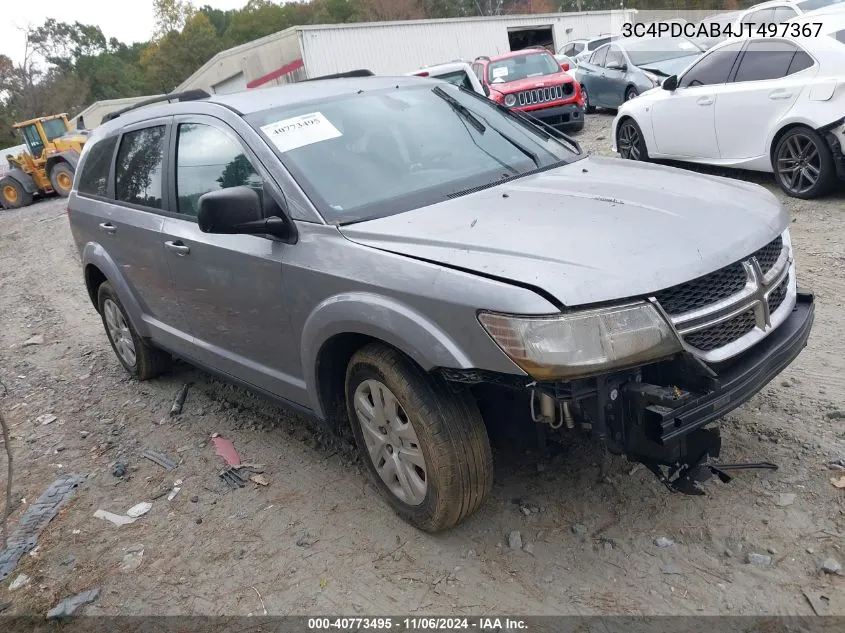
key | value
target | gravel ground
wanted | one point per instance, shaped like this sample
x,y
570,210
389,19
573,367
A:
x,y
318,539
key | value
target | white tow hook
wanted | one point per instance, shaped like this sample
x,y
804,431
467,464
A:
x,y
548,412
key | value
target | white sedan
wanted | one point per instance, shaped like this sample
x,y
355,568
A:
x,y
764,104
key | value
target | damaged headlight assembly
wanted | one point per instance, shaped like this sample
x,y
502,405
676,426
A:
x,y
583,343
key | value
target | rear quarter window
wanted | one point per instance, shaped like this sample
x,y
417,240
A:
x,y
94,177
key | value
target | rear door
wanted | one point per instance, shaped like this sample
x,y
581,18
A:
x,y
126,220
230,286
768,80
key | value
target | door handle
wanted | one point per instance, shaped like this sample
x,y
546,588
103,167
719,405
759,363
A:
x,y
705,101
779,94
177,247
108,227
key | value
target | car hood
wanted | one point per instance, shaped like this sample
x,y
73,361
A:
x,y
530,83
670,67
598,229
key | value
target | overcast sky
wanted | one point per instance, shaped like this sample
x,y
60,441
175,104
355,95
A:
x,y
127,20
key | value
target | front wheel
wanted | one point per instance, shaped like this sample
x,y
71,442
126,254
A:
x,y
426,447
587,107
61,179
803,164
629,141
631,93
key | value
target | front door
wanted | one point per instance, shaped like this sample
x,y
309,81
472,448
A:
x,y
230,286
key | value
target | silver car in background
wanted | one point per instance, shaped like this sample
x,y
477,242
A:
x,y
621,70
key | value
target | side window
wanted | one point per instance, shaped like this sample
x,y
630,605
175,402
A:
x,y
801,61
94,177
33,140
713,68
765,60
597,58
782,14
139,167
763,16
459,78
568,50
478,69
208,159
614,56
599,42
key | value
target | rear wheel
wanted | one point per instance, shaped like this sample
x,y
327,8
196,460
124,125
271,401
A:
x,y
426,447
13,195
803,164
631,93
138,357
61,178
629,141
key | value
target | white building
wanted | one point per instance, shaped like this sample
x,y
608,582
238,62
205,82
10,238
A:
x,y
93,115
389,48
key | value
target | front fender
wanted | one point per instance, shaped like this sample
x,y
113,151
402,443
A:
x,y
94,254
70,156
382,318
23,178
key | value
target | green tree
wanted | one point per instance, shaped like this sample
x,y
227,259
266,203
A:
x,y
168,62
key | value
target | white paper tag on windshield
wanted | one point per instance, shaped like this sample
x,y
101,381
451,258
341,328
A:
x,y
502,71
300,131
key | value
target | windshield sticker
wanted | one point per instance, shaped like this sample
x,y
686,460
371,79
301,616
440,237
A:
x,y
300,131
502,71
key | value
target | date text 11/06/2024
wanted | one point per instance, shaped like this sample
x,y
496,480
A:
x,y
714,29
485,624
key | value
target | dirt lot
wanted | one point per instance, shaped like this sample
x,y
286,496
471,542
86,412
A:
x,y
318,539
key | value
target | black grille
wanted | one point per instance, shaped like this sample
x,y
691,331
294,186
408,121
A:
x,y
543,95
768,255
723,333
723,283
778,295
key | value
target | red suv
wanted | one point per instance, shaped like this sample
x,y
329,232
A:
x,y
532,81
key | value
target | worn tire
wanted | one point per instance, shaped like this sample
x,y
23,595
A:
x,y
149,361
13,195
451,434
61,179
631,93
640,145
827,167
587,107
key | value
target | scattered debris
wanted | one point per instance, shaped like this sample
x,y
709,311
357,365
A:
x,y
761,560
132,558
117,519
139,509
772,551
664,542
38,339
786,499
5,605
471,553
306,540
174,492
838,482
237,476
159,458
46,418
195,499
20,582
158,494
198,520
515,540
672,569
35,519
832,566
263,608
83,434
226,450
118,469
579,529
528,548
69,606
836,414
818,601
260,480
179,401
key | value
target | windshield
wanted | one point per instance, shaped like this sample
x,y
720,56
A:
x,y
521,67
378,153
659,49
812,5
54,128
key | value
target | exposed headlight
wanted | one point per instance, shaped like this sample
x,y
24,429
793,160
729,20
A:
x,y
582,343
654,79
510,100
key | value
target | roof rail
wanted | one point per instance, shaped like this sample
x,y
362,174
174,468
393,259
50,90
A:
x,y
188,95
483,58
361,72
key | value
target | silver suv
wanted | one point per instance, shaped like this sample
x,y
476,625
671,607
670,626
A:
x,y
417,261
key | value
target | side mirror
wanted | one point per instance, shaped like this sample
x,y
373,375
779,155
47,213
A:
x,y
486,89
670,83
564,66
238,210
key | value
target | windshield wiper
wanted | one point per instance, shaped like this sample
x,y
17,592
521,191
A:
x,y
460,108
538,126
478,125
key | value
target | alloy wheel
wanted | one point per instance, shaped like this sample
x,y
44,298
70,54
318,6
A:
x,y
799,164
629,141
119,332
391,441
